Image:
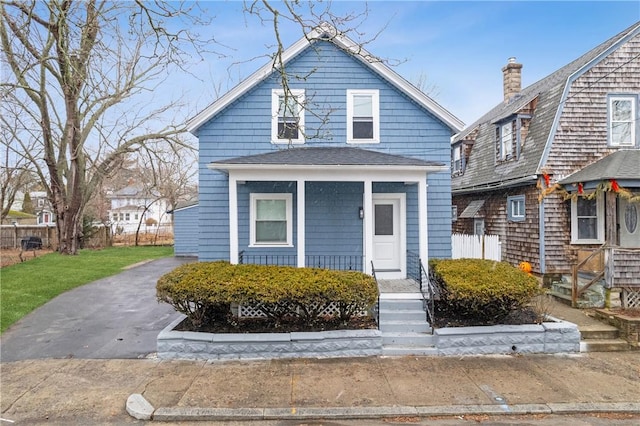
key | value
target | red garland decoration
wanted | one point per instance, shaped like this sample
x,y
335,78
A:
x,y
547,179
580,188
614,186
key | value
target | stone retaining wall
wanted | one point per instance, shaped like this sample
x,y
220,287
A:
x,y
548,337
209,346
629,326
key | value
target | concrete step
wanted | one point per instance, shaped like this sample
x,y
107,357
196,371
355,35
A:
x,y
604,345
399,350
592,300
402,315
405,326
407,339
599,332
401,304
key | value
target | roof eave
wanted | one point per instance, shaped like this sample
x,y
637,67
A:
x,y
225,167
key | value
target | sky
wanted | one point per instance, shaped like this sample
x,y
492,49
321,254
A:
x,y
459,46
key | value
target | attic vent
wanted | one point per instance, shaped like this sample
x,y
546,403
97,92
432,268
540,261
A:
x,y
325,36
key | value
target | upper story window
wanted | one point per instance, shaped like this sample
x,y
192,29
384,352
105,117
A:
x,y
271,219
515,208
504,141
456,160
587,220
622,120
287,116
363,116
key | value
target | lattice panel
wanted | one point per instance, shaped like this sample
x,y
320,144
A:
x,y
247,311
631,297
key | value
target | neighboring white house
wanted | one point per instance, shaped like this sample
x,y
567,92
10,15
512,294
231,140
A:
x,y
132,206
42,207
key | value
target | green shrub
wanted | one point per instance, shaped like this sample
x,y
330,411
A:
x,y
205,291
483,290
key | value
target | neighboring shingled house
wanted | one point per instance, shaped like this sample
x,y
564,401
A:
x,y
554,169
348,167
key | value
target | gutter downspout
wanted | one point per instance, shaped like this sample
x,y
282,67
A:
x,y
541,234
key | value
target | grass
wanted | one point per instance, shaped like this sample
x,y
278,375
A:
x,y
28,285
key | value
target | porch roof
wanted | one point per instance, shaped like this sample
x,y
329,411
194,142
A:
x,y
326,157
621,165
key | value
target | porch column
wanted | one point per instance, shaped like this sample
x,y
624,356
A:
x,y
423,232
301,222
233,219
368,226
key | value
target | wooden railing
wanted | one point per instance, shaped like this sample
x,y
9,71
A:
x,y
576,289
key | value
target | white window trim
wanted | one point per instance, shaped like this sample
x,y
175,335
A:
x,y
600,224
634,119
454,213
510,214
456,164
275,106
504,155
375,104
288,197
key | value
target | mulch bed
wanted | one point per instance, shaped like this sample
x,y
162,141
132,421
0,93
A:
x,y
263,325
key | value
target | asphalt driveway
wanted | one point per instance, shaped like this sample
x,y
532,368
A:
x,y
113,318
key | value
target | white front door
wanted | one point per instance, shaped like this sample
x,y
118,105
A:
x,y
629,220
388,213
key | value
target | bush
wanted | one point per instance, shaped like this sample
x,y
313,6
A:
x,y
482,291
205,291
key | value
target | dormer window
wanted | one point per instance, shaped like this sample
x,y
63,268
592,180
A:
x,y
287,116
504,140
363,116
622,120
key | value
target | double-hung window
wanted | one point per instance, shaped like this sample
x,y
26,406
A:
x,y
515,208
504,134
287,116
587,220
622,120
271,219
363,116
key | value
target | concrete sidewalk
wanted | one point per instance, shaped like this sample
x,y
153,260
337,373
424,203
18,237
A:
x,y
97,391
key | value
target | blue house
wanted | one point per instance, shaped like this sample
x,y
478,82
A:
x,y
345,166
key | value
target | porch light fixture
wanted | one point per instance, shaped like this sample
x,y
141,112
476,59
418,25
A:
x,y
360,212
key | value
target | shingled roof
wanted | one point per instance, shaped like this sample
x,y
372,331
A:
x,y
327,156
620,165
481,171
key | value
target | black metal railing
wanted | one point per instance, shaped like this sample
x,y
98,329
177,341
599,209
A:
x,y
335,262
268,259
417,272
376,309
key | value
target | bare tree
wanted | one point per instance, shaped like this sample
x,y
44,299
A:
x,y
71,65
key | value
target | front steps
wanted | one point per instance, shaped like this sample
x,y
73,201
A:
x,y
593,297
404,326
601,338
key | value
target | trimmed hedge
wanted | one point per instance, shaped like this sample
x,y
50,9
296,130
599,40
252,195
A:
x,y
481,289
204,291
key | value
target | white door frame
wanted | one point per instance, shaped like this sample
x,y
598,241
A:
x,y
628,239
401,197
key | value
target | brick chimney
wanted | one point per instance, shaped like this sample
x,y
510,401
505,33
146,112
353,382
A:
x,y
512,79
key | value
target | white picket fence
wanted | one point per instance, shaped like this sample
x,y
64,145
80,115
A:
x,y
465,246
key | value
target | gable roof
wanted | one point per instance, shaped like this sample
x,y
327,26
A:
x,y
328,33
327,156
620,165
550,93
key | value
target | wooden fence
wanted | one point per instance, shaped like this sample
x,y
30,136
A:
x,y
11,236
476,247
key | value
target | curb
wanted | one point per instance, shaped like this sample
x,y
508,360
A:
x,y
138,407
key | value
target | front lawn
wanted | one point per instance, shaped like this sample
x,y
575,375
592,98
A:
x,y
26,286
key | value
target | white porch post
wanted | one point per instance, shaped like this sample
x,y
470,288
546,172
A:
x,y
368,225
423,239
301,222
233,219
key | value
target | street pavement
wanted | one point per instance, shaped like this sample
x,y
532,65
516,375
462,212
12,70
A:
x,y
115,317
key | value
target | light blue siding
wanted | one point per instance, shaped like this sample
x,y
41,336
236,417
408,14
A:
x,y
185,231
244,128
